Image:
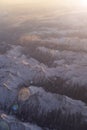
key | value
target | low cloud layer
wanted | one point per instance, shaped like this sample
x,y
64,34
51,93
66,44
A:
x,y
46,49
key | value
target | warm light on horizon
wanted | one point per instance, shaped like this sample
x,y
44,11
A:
x,y
45,3
48,2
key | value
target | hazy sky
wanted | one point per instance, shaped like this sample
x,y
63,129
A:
x,y
48,2
42,3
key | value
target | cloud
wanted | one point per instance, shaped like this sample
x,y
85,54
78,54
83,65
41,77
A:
x,y
51,53
29,38
70,65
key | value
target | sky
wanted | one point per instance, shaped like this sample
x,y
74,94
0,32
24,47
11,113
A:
x,y
46,2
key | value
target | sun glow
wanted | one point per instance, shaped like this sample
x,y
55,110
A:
x,y
83,3
45,3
